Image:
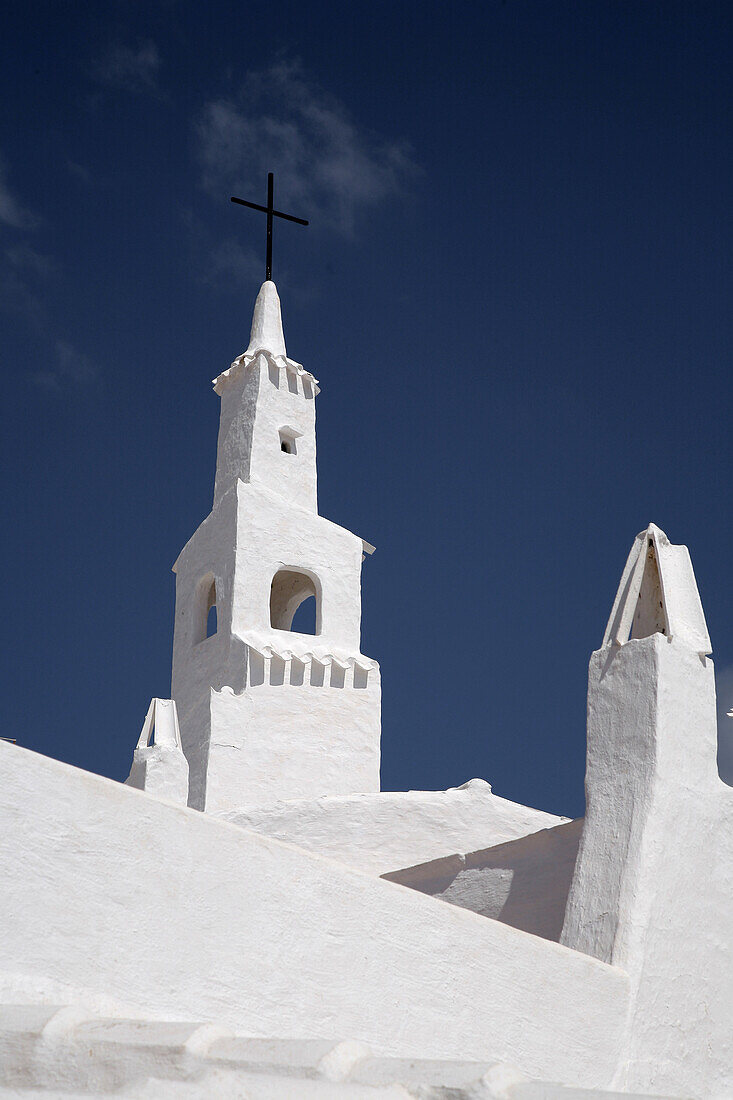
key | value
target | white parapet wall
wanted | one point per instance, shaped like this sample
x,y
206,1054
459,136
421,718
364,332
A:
x,y
46,1047
303,739
111,891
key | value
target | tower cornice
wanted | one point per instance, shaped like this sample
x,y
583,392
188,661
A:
x,y
248,358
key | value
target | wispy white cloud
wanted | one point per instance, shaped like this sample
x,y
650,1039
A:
x,y
68,367
222,265
724,690
20,265
21,270
135,69
12,211
24,258
327,168
72,364
79,172
17,295
230,266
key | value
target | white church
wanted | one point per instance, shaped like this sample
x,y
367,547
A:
x,y
250,916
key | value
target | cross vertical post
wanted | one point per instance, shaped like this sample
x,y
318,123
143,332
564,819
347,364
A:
x,y
271,213
270,208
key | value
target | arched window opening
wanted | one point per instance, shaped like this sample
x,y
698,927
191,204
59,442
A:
x,y
290,591
206,621
304,619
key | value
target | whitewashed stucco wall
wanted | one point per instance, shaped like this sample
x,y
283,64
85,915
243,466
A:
x,y
653,889
189,917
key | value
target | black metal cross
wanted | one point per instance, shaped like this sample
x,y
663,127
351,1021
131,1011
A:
x,y
271,213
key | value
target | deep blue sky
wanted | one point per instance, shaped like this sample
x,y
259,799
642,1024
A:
x,y
516,293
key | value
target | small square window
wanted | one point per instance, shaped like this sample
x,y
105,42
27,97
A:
x,y
287,443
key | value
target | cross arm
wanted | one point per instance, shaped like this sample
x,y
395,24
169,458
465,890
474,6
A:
x,y
277,213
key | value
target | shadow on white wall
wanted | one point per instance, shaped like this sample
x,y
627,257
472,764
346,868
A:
x,y
724,692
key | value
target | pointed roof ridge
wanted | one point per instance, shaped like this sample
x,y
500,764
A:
x,y
266,333
677,596
266,336
161,722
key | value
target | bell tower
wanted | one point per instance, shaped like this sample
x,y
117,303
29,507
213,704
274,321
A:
x,y
267,712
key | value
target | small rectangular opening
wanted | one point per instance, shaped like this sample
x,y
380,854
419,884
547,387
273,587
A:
x,y
360,676
317,671
287,442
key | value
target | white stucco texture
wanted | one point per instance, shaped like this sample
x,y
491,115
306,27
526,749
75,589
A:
x,y
653,886
190,917
658,593
524,882
158,763
266,333
395,829
53,1051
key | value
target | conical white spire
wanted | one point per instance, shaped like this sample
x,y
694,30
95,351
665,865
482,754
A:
x,y
267,325
658,594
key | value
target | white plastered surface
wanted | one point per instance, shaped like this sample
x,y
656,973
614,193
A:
x,y
109,889
393,829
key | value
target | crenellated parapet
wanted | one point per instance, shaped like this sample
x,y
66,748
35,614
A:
x,y
268,666
280,369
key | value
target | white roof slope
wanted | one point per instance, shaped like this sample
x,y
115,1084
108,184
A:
x,y
394,829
